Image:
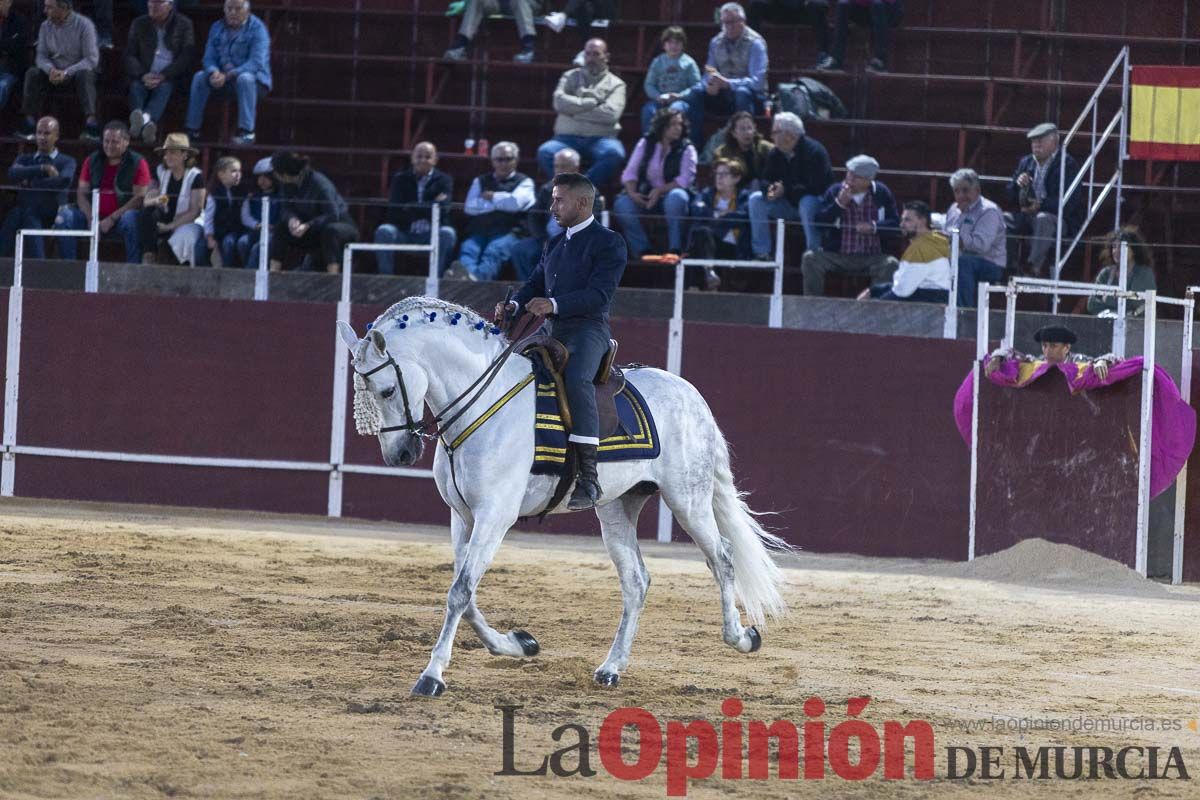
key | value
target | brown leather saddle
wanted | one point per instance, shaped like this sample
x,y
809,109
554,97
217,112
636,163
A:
x,y
609,379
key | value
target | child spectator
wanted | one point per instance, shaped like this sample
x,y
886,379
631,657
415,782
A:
x,y
222,217
248,242
671,74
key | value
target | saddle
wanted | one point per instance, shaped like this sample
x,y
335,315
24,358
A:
x,y
609,380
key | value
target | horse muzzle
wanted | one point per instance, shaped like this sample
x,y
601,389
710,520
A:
x,y
408,451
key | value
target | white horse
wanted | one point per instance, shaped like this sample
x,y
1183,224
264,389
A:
x,y
424,351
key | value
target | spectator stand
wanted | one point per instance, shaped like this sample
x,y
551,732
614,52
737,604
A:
x,y
1143,448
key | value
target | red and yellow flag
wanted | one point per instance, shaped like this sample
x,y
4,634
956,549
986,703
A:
x,y
1165,113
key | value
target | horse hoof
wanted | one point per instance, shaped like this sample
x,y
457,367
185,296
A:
x,y
607,678
528,643
755,638
428,687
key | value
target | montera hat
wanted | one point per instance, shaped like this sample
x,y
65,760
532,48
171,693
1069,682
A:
x,y
1056,334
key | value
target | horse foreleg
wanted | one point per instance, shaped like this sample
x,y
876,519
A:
x,y
618,525
486,535
695,515
514,643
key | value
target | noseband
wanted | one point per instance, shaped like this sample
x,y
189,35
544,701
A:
x,y
416,427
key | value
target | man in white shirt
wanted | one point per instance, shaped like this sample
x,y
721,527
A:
x,y
497,205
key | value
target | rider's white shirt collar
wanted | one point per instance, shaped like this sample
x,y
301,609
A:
x,y
574,229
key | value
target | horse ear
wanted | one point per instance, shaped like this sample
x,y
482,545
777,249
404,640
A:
x,y
348,335
377,339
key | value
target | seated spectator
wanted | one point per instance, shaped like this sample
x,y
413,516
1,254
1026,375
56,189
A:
x,y
980,226
796,175
407,221
313,217
477,10
589,101
735,74
540,223
160,55
123,178
1140,271
671,74
44,178
657,178
14,49
497,204
924,272
237,65
863,210
1034,189
223,230
878,15
67,58
743,142
719,230
252,221
174,202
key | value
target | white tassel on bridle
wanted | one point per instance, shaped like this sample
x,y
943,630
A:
x,y
366,408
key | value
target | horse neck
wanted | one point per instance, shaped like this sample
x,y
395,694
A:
x,y
453,363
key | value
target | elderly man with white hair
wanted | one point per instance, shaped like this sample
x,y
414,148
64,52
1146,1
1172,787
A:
x,y
796,174
980,226
735,74
861,215
1034,189
497,205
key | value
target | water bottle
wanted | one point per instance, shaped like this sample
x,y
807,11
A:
x,y
484,148
469,147
767,106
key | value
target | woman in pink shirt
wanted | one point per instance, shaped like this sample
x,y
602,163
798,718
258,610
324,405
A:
x,y
657,180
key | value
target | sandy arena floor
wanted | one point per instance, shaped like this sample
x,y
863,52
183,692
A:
x,y
149,653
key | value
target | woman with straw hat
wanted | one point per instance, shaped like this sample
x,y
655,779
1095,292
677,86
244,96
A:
x,y
174,203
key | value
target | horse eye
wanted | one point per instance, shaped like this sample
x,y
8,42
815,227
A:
x,y
388,392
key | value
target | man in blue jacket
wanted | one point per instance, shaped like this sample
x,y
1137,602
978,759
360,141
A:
x,y
574,283
44,178
237,62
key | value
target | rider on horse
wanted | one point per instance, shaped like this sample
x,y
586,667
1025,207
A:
x,y
574,284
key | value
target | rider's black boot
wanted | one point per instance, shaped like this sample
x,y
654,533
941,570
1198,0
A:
x,y
587,484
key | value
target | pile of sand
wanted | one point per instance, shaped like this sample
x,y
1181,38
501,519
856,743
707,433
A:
x,y
1037,562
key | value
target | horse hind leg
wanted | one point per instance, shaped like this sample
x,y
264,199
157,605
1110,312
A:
x,y
618,526
695,514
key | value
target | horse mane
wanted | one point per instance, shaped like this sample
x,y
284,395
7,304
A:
x,y
419,308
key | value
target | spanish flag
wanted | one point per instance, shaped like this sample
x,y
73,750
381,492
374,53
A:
x,y
1165,114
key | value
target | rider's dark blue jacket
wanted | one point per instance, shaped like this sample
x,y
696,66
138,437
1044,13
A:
x,y
580,274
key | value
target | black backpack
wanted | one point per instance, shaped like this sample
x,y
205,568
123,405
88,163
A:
x,y
810,99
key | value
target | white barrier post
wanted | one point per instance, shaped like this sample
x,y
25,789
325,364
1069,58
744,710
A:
x,y
12,370
262,275
1118,341
950,323
775,319
1185,391
435,258
91,273
675,367
981,351
341,376
1143,517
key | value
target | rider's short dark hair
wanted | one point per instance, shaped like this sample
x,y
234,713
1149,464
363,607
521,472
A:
x,y
576,182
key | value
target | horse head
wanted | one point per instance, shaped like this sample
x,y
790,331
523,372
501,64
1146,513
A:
x,y
389,396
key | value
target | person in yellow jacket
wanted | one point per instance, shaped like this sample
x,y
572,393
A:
x,y
924,272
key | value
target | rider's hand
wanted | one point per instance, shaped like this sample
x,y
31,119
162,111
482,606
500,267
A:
x,y
540,306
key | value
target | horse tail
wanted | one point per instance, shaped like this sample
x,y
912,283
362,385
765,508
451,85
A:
x,y
758,580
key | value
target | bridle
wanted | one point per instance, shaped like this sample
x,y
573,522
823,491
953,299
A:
x,y
440,422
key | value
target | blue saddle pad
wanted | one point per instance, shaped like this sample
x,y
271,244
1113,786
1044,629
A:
x,y
635,438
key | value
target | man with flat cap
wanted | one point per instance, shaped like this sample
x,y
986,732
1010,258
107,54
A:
x,y
859,216
1056,342
1034,190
